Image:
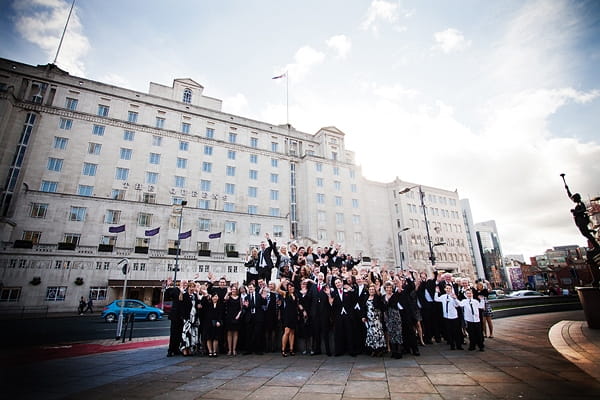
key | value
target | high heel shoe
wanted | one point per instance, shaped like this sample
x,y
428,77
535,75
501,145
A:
x,y
284,354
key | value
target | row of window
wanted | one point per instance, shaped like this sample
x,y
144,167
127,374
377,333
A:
x,y
434,211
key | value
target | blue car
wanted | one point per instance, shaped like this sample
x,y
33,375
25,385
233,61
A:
x,y
140,310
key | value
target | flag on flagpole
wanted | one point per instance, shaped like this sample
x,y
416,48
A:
x,y
185,235
152,232
116,229
280,76
214,235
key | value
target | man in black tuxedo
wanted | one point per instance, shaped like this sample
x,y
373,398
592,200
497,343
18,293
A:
x,y
343,300
360,309
320,315
175,294
255,320
265,262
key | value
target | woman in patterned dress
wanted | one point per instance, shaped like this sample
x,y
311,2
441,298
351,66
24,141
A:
x,y
189,336
375,340
393,321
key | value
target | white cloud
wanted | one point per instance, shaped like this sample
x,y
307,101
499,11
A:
x,y
41,22
341,44
304,60
116,80
236,104
451,40
380,10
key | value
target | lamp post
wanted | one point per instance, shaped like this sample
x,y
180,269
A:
x,y
400,246
183,204
429,241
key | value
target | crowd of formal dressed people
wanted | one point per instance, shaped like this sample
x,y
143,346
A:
x,y
313,300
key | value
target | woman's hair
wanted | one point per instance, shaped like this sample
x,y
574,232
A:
x,y
388,284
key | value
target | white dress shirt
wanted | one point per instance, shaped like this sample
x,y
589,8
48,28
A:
x,y
471,309
449,305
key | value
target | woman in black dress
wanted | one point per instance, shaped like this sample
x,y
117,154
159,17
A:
x,y
213,323
233,319
289,316
305,326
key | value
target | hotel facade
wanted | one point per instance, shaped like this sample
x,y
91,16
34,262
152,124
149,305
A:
x,y
95,175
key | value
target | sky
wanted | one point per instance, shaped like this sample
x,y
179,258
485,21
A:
x,y
493,99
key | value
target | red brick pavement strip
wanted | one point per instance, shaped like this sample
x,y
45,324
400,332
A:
x,y
28,355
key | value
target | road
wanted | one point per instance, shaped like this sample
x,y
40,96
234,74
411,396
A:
x,y
54,330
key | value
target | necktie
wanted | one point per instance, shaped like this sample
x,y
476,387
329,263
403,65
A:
x,y
447,301
472,311
319,287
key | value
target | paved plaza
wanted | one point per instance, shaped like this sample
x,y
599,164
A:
x,y
542,356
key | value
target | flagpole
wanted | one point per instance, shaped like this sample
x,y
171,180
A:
x,y
287,99
64,31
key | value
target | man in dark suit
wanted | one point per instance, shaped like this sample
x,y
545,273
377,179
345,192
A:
x,y
320,315
265,262
362,295
343,300
271,343
255,320
175,294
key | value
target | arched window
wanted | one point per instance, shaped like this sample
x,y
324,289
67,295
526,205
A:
x,y
187,96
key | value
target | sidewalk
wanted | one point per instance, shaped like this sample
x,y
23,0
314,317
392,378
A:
x,y
521,362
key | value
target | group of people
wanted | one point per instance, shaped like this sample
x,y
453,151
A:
x,y
330,302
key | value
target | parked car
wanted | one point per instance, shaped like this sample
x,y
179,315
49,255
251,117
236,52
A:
x,y
496,294
165,306
525,293
140,310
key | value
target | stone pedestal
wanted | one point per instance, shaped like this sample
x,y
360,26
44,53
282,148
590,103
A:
x,y
590,301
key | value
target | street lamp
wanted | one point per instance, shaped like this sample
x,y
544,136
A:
x,y
400,246
183,204
429,242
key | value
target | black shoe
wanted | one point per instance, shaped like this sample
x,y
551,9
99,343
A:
x,y
328,354
452,348
428,342
247,353
170,354
471,348
459,348
259,353
481,349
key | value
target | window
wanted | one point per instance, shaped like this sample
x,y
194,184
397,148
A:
x,y
71,104
65,124
125,154
206,167
185,127
252,191
339,218
352,174
10,294
117,194
254,229
49,186
358,239
121,174
252,209
98,130
204,204
353,188
231,154
156,141
334,155
337,185
144,219
60,142
38,210
356,219
154,158
228,207
277,231
274,212
230,171
112,217
253,174
274,194
128,135
321,216
338,201
274,178
71,238
187,96
232,137
204,224
98,292
253,159
181,163
320,198
205,185
56,293
274,162
230,226
210,133
103,110
160,123
336,171
77,214
184,146
151,178
354,203
208,150
319,167
321,234
340,236
85,190
320,182
55,164
274,147
132,117
94,148
149,198
254,142
177,200
179,181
